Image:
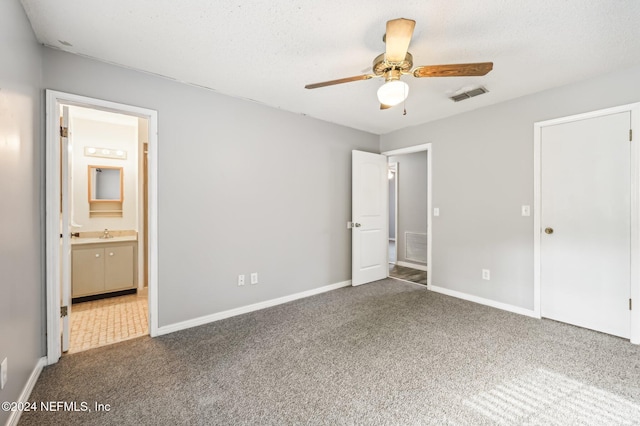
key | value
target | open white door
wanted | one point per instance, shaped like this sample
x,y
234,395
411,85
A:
x,y
65,214
370,216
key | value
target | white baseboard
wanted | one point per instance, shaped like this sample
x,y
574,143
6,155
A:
x,y
249,308
483,301
412,265
26,391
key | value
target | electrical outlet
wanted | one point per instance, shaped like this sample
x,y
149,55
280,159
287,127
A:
x,y
254,278
436,211
486,274
526,210
240,279
3,373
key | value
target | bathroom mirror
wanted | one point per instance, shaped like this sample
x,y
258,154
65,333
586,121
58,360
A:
x,y
105,183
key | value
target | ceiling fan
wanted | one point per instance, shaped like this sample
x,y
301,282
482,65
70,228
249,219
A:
x,y
397,61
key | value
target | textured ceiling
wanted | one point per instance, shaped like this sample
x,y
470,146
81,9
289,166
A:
x,y
267,51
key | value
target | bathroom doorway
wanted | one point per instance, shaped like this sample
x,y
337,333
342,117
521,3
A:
x,y
106,154
102,203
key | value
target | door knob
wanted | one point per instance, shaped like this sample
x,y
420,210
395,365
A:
x,y
357,225
548,231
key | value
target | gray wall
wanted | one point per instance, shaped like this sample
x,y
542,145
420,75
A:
x,y
392,206
242,188
412,199
21,229
483,172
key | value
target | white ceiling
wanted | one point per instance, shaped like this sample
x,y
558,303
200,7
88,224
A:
x,y
267,50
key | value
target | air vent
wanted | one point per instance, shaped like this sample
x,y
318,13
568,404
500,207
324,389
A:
x,y
469,94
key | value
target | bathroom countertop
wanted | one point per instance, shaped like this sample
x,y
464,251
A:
x,y
80,241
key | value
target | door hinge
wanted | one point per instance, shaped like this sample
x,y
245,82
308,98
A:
x,y
64,132
64,311
630,135
630,305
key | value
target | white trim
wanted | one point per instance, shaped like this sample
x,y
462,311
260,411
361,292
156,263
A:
x,y
52,221
537,201
249,308
14,417
410,150
413,265
395,167
483,301
634,109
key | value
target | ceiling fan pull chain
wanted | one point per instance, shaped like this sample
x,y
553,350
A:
x,y
404,103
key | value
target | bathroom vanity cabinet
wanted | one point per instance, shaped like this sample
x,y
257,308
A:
x,y
103,267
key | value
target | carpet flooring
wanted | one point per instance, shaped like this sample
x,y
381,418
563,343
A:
x,y
385,353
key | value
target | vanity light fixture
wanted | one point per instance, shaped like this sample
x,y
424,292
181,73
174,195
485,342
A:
x,y
119,154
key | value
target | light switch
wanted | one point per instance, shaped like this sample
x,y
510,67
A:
x,y
436,211
526,210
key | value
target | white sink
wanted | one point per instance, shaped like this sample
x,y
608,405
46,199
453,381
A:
x,y
76,241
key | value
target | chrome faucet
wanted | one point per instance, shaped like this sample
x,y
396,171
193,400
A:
x,y
106,234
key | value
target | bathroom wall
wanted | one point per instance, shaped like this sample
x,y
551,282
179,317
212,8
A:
x,y
123,134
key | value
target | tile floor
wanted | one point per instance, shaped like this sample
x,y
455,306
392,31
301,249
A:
x,y
106,321
407,274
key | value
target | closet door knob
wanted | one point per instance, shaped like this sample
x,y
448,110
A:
x,y
111,254
97,255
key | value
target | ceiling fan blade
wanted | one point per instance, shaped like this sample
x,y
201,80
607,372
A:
x,y
397,38
383,106
453,70
339,81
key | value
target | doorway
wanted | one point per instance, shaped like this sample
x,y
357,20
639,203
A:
x,y
409,176
586,213
109,298
409,214
101,262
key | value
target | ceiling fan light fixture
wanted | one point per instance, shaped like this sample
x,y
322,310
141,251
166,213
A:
x,y
393,92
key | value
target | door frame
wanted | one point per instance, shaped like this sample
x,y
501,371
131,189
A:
x,y
634,109
52,202
410,150
394,167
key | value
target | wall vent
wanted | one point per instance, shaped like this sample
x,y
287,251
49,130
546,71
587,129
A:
x,y
468,94
415,246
